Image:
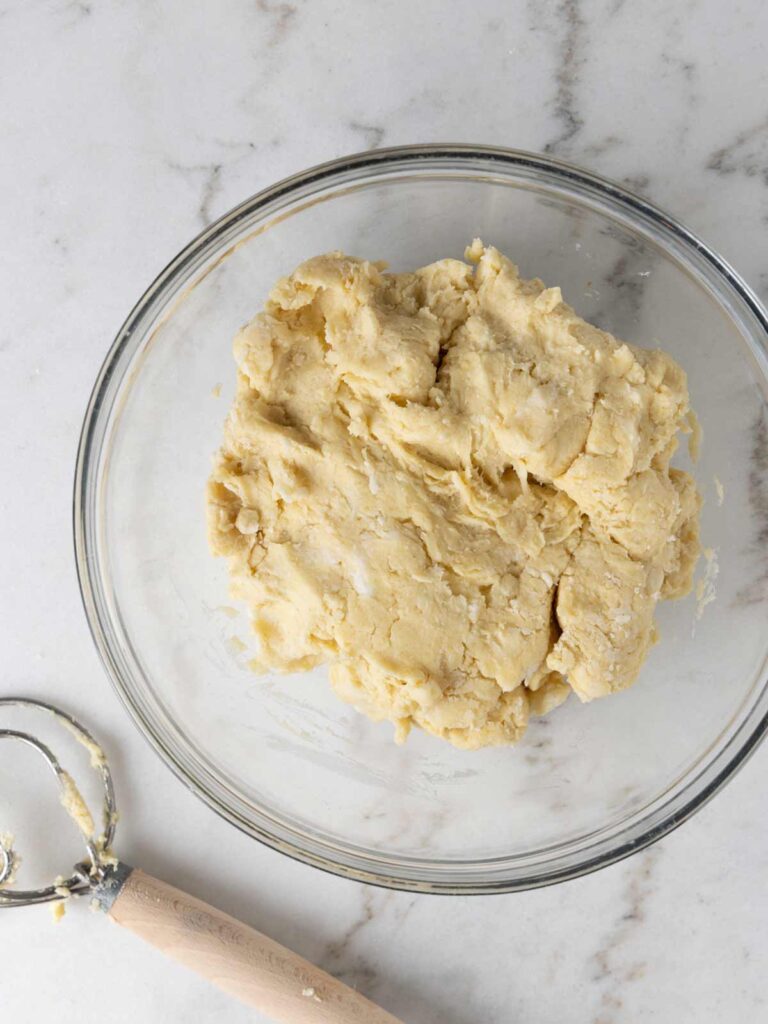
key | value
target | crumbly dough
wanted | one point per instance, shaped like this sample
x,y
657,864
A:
x,y
453,490
72,801
96,755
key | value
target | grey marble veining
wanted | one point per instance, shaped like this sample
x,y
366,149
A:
x,y
567,22
127,128
746,153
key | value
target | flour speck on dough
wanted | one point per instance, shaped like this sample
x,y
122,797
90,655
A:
x,y
453,490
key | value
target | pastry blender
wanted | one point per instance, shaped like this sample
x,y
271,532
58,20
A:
x,y
234,956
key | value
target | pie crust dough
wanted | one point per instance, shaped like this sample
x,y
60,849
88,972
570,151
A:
x,y
453,490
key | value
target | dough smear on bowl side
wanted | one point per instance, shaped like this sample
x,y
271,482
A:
x,y
451,489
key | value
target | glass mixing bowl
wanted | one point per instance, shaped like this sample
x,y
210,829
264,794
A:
x,y
281,757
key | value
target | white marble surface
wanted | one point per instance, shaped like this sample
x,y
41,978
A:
x,y
126,126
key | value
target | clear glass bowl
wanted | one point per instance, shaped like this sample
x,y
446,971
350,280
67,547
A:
x,y
281,757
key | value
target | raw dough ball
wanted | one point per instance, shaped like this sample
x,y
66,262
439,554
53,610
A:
x,y
453,490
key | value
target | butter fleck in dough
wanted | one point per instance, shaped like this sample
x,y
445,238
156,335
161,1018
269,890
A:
x,y
453,490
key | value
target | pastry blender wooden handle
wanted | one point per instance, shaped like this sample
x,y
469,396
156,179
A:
x,y
237,958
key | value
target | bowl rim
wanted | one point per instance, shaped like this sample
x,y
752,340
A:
x,y
95,421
